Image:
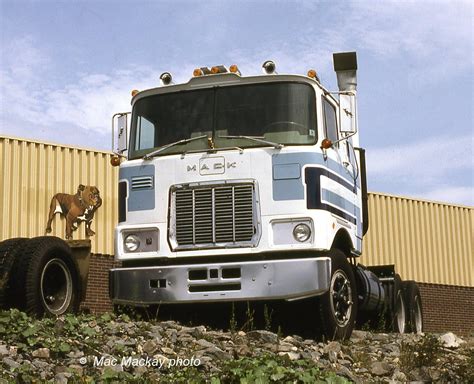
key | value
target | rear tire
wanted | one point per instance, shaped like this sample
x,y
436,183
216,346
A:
x,y
414,307
9,250
47,279
398,312
338,306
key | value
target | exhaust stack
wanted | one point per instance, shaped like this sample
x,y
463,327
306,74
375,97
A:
x,y
345,65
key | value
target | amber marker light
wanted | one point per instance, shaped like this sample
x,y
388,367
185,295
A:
x,y
215,70
313,74
197,72
115,161
134,92
234,69
326,144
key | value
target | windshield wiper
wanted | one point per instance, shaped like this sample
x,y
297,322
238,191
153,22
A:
x,y
258,139
179,142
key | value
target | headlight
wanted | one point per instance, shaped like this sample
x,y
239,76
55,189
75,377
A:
x,y
302,232
131,243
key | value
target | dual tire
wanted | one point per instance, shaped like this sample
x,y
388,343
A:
x,y
42,277
407,310
339,306
414,308
8,254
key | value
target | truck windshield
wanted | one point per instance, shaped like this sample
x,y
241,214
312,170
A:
x,y
282,113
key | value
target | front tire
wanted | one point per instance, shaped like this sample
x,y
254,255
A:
x,y
338,306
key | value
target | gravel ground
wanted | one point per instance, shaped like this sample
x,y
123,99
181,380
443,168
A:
x,y
108,348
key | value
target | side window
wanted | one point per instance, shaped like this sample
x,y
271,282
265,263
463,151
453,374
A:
x,y
330,122
145,138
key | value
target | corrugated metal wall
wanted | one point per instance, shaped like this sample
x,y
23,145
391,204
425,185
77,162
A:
x,y
427,241
32,172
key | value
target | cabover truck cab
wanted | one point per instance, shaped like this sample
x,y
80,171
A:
x,y
247,188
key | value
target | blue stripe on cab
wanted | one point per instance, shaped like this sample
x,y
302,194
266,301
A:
x,y
333,198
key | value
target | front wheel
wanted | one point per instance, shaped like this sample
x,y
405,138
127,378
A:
x,y
338,306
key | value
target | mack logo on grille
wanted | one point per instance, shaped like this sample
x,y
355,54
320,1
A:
x,y
212,166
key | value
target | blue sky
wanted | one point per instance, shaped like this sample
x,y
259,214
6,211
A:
x,y
67,66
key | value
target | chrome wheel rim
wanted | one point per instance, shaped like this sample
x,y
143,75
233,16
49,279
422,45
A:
x,y
340,294
418,316
56,286
400,314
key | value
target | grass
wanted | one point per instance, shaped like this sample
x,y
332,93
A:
x,y
424,353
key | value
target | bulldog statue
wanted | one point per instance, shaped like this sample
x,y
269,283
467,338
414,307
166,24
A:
x,y
75,208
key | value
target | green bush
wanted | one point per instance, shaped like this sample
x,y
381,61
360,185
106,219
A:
x,y
273,369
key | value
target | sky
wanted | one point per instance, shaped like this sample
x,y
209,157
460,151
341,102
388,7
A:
x,y
67,66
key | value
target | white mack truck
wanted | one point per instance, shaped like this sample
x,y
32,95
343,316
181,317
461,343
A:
x,y
242,188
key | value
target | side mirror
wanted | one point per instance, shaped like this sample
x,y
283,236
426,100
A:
x,y
347,113
119,138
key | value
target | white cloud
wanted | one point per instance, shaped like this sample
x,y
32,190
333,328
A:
x,y
427,158
433,40
21,57
86,102
432,168
20,86
91,101
434,36
462,195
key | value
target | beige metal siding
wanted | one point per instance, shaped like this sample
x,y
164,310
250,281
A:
x,y
32,172
427,241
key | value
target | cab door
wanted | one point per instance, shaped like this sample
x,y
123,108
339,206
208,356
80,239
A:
x,y
338,187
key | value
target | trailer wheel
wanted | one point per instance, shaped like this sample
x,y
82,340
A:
x,y
8,252
398,313
338,306
47,278
413,306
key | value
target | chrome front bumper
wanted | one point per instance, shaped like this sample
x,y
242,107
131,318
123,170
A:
x,y
254,280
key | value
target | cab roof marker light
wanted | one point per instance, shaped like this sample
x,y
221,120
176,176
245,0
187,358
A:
x,y
166,78
234,69
218,69
134,92
269,67
313,75
198,72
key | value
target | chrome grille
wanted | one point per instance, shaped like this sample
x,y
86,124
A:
x,y
214,215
